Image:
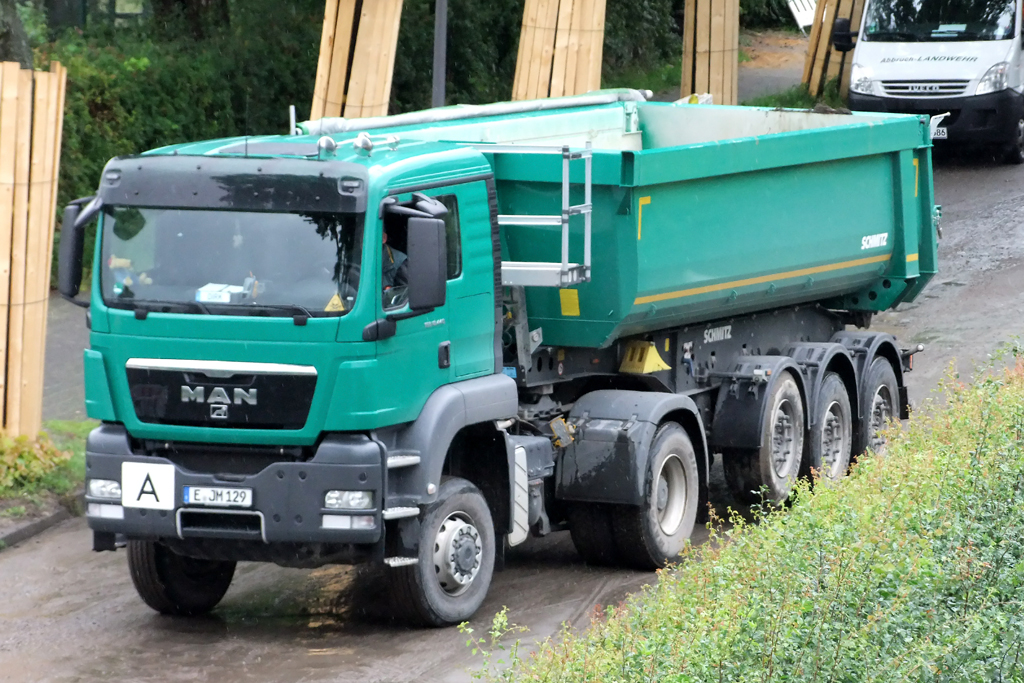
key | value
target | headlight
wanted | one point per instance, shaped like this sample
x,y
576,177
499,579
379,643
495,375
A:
x,y
995,79
348,500
861,81
104,488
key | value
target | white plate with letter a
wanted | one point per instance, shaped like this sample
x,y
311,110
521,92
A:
x,y
147,486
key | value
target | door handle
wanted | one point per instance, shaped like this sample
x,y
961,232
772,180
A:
x,y
444,355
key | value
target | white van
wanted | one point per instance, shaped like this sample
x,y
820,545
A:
x,y
933,57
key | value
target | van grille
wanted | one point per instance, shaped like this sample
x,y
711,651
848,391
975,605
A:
x,y
924,88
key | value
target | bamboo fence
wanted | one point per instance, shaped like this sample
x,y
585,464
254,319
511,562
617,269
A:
x,y
711,43
357,58
561,47
31,125
824,62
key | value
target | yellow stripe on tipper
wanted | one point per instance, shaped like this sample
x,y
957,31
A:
x,y
570,300
803,272
644,201
911,258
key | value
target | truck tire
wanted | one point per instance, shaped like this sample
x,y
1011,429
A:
x,y
776,464
830,440
651,535
456,559
1014,151
590,526
879,409
174,584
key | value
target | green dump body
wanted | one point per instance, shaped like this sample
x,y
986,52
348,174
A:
x,y
704,212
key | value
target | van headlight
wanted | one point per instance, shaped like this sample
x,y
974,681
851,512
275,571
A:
x,y
995,79
861,81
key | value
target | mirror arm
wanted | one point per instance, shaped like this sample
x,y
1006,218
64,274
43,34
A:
x,y
76,301
405,315
387,327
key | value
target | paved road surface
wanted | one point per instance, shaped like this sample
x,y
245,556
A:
x,y
67,614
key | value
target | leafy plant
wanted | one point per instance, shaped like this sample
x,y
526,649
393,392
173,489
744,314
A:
x,y
24,461
909,570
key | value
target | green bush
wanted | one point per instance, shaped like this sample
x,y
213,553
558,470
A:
x,y
24,462
911,570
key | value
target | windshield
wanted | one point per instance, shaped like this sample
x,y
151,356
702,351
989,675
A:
x,y
229,262
938,20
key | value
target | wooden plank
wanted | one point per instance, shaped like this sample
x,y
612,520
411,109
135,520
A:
x,y
379,59
565,12
585,53
547,53
835,57
8,142
389,71
338,79
715,61
537,51
812,42
701,56
570,86
357,81
736,39
596,47
525,49
323,64
821,53
733,61
855,19
19,233
686,87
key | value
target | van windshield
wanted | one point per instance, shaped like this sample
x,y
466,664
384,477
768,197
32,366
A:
x,y
230,262
901,21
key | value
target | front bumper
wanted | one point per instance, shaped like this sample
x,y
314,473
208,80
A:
x,y
287,497
979,119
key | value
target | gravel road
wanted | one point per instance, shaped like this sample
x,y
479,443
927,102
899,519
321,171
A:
x,y
68,614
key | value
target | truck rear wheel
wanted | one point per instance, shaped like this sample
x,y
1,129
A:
x,y
651,535
831,437
775,465
456,559
1014,151
880,408
175,584
590,526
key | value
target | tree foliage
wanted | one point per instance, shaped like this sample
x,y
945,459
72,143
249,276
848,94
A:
x,y
14,45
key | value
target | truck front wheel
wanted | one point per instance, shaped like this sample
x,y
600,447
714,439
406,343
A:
x,y
175,584
651,535
770,470
456,559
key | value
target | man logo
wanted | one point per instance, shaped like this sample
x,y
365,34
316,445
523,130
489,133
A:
x,y
217,395
218,411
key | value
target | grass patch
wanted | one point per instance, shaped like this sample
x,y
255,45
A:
x,y
798,97
911,569
14,511
55,463
665,77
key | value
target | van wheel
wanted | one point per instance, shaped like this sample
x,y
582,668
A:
x,y
879,409
1015,150
175,584
776,464
590,526
830,441
652,534
456,559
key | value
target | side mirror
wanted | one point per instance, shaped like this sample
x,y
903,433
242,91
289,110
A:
x,y
842,37
427,264
72,240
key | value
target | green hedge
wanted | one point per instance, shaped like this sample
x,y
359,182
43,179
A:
x,y
911,570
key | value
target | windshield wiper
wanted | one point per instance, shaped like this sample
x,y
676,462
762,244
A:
x,y
144,307
300,313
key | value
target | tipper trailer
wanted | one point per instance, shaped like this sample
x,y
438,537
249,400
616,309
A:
x,y
600,295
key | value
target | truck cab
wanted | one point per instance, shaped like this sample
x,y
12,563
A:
x,y
959,61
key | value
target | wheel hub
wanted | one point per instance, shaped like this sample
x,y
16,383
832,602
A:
x,y
670,495
783,436
833,441
881,413
458,551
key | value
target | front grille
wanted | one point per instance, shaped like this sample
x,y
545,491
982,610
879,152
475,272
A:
x,y
220,524
222,459
198,398
924,88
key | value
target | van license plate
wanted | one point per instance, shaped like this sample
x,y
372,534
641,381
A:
x,y
939,134
218,497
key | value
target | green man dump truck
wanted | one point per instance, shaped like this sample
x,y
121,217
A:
x,y
417,340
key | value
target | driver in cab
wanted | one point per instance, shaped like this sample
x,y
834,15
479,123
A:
x,y
395,269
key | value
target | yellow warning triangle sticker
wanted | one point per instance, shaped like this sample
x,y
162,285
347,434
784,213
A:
x,y
334,304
